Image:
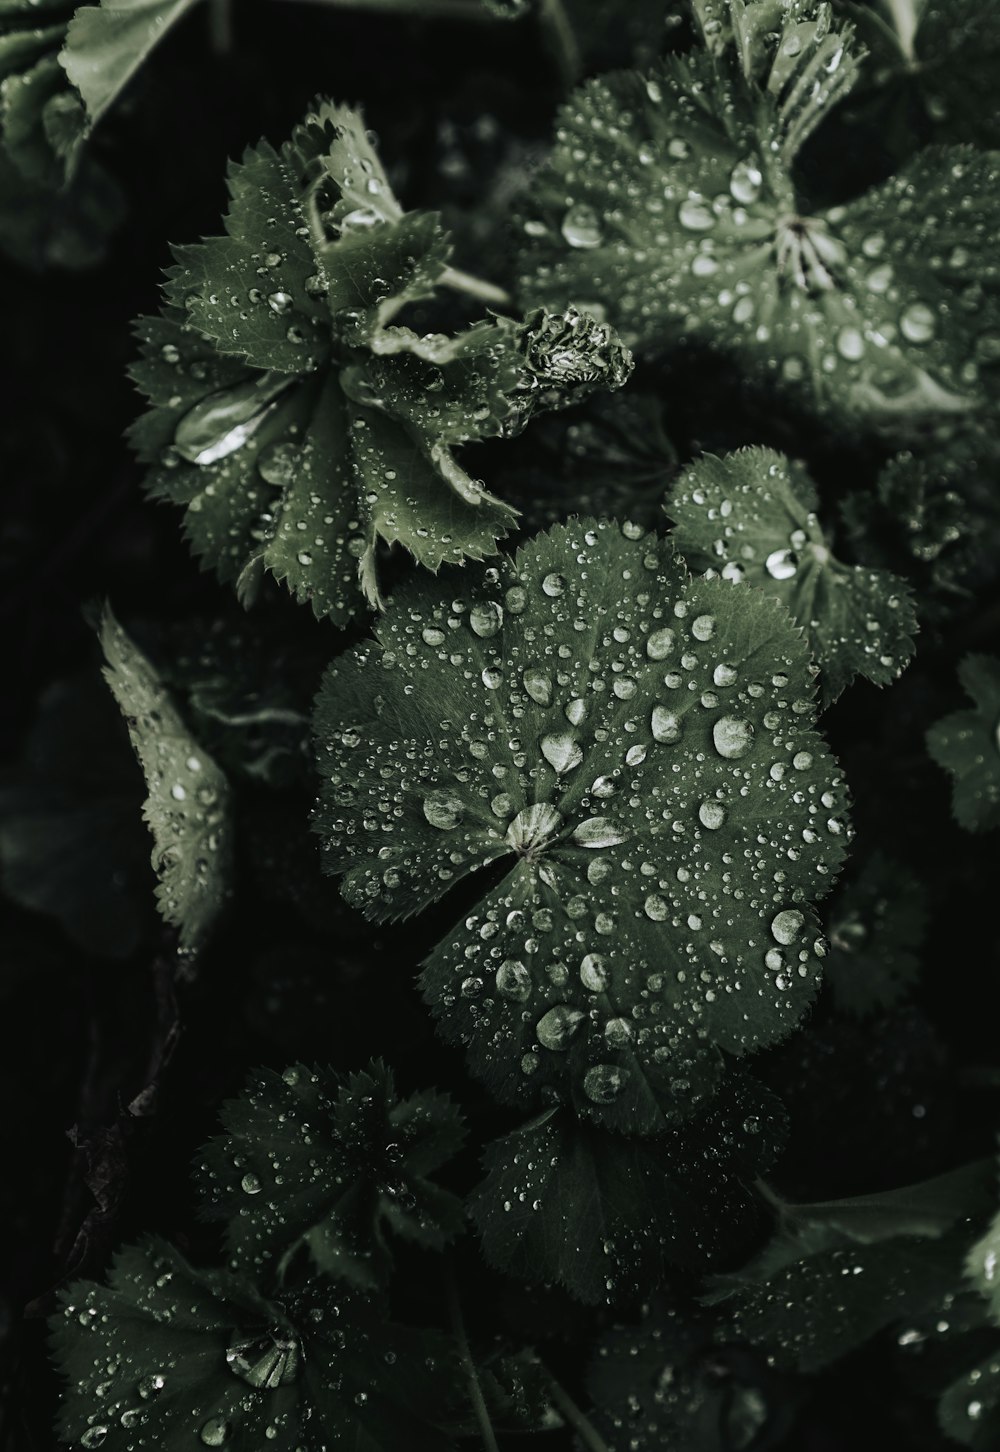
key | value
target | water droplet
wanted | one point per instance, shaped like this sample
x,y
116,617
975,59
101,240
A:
x,y
443,809
279,302
703,627
557,1027
917,323
597,832
276,464
513,980
656,908
665,725
850,344
618,1032
432,635
538,685
594,973
266,1361
781,564
712,815
696,215
603,1083
534,826
554,585
745,182
486,618
250,1185
786,926
660,644
94,1436
581,227
224,421
732,737
562,751
215,1432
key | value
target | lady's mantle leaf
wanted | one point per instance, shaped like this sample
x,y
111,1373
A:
x,y
876,928
172,1357
604,1215
298,424
187,806
837,1272
670,201
107,43
967,745
752,517
310,1159
623,736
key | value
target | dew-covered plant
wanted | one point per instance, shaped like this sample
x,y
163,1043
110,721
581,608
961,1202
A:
x,y
495,835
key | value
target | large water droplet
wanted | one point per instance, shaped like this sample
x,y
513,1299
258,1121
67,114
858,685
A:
x,y
556,1028
443,809
597,832
732,737
665,725
745,182
514,980
538,685
786,926
581,227
781,564
265,1361
712,815
917,323
594,973
660,644
562,751
534,826
486,618
603,1083
215,1432
224,421
696,215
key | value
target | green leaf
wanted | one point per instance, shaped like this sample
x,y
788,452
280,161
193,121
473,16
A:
x,y
107,43
838,1272
187,807
876,927
299,426
969,1410
72,840
330,1164
665,1384
605,1216
671,202
174,1357
982,1268
752,517
967,745
611,735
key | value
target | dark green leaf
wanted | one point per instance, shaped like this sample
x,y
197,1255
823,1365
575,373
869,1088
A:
x,y
330,1164
619,734
967,745
876,927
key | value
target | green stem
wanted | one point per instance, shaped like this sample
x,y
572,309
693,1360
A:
x,y
220,25
584,1429
487,292
562,40
469,1367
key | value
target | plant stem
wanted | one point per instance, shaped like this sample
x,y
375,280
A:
x,y
562,40
469,1367
220,25
476,287
584,1429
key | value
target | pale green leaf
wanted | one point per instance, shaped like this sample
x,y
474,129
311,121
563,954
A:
x,y
106,44
187,805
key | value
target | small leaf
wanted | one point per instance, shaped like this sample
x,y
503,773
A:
x,y
170,1356
310,1159
752,517
588,678
187,806
107,43
967,745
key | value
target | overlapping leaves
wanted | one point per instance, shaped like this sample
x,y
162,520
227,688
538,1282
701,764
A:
x,y
967,745
299,425
170,1356
671,201
610,737
310,1160
752,517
